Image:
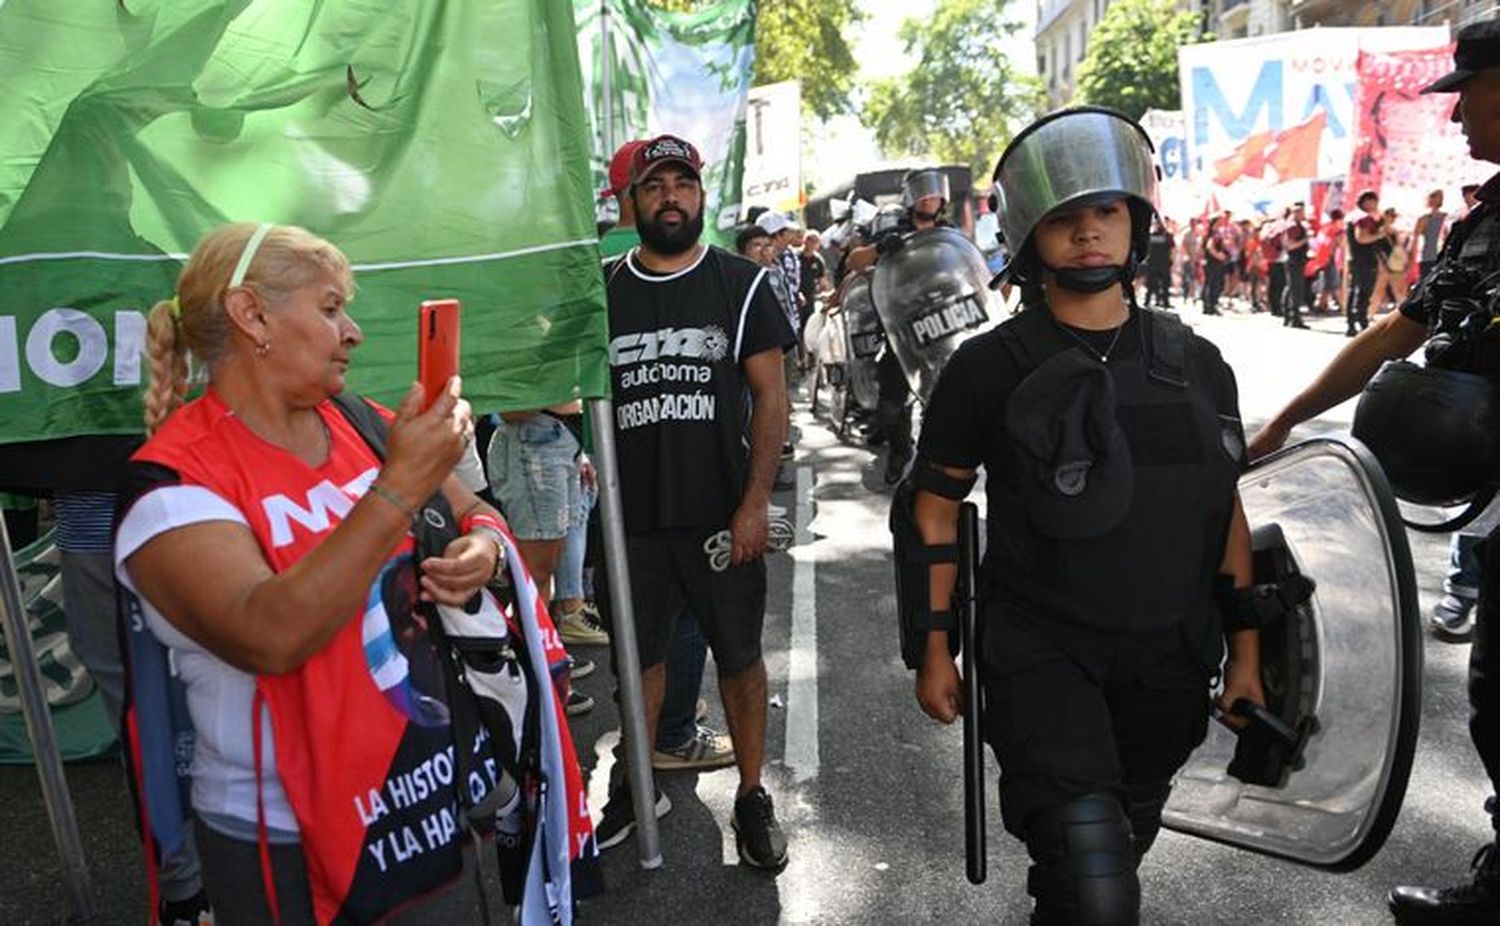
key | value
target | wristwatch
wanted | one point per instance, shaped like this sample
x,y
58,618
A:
x,y
498,539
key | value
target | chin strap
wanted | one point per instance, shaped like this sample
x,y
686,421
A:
x,y
1094,279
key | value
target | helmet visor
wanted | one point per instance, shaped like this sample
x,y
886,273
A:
x,y
920,184
1067,157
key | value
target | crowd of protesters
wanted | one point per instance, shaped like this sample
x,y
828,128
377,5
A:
x,y
1293,264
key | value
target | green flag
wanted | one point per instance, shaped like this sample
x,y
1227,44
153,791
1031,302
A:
x,y
683,73
442,146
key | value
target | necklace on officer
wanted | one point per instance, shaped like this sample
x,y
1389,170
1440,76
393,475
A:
x,y
1103,355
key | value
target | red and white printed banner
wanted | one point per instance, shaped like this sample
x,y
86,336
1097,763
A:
x,y
1406,144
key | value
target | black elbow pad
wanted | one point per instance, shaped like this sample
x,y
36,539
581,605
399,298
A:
x,y
913,558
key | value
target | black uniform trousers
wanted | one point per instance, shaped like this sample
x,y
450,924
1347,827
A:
x,y
893,405
1361,289
1484,666
1159,284
1213,283
1296,287
1072,711
1276,286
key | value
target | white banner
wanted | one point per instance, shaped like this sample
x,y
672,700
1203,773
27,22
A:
x,y
683,73
1180,197
773,147
1168,131
1235,90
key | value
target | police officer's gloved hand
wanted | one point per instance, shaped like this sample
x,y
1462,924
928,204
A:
x,y
890,243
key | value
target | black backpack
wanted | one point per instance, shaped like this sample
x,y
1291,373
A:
x,y
491,686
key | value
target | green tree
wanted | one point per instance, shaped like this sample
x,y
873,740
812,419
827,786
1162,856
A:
x,y
1131,63
961,100
801,40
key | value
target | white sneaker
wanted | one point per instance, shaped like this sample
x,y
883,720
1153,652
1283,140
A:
x,y
580,628
1453,617
708,748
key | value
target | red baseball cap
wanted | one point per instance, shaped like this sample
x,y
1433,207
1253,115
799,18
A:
x,y
657,152
619,168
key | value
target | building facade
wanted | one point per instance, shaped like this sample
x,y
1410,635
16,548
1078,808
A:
x,y
1063,27
1308,13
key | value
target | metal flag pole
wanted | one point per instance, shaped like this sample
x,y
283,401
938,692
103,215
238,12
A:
x,y
622,634
612,519
606,74
43,738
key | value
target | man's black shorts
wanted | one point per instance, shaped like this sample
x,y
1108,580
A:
x,y
670,573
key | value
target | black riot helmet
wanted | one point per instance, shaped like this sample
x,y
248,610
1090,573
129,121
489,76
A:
x,y
1435,432
1071,158
921,183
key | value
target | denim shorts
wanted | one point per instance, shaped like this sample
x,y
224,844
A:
x,y
533,471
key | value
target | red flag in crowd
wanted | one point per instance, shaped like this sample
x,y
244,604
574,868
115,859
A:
x,y
1248,160
1292,152
1295,152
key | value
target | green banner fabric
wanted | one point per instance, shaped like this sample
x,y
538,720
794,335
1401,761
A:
x,y
442,146
78,716
683,73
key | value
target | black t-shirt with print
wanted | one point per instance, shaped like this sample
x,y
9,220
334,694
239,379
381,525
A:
x,y
682,404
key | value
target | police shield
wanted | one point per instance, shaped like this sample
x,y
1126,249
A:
x,y
1320,780
863,336
932,294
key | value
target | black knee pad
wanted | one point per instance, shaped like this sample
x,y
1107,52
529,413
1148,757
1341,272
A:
x,y
1084,871
1144,803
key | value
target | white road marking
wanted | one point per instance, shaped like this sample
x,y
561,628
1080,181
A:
x,y
801,751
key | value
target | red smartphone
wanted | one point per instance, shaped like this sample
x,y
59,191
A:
x,y
437,346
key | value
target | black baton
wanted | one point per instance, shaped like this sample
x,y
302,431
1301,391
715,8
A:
x,y
966,606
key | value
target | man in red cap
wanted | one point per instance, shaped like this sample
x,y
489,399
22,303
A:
x,y
696,344
1442,310
683,740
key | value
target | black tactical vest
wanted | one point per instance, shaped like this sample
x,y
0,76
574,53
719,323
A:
x,y
1155,568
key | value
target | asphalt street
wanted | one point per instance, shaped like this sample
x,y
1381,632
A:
x,y
868,789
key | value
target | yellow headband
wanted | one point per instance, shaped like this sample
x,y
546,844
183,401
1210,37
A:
x,y
246,256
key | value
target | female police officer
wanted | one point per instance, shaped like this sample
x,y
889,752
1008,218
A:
x,y
1111,440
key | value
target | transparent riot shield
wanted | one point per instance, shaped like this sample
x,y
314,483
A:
x,y
932,294
1342,671
863,336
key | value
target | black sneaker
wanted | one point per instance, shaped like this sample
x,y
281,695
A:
x,y
896,463
618,818
194,911
578,703
1476,902
757,835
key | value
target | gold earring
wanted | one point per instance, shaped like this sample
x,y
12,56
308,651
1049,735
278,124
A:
x,y
262,349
